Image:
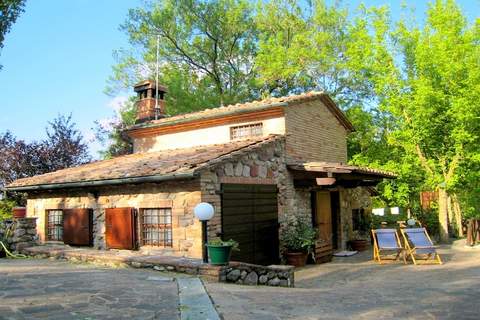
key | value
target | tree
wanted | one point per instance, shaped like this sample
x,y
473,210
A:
x,y
64,147
110,133
9,12
434,96
208,44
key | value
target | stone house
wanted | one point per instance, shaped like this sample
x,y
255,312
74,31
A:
x,y
259,164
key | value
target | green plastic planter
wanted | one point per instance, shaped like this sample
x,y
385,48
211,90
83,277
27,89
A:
x,y
219,255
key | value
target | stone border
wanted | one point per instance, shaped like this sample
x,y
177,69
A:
x,y
252,274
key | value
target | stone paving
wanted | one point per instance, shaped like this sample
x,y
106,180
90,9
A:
x,y
357,288
45,289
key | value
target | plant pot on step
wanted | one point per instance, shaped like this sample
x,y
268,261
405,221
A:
x,y
297,259
219,255
219,251
359,244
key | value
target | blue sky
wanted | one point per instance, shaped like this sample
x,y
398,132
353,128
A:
x,y
58,57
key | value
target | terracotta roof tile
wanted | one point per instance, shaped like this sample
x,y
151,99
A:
x,y
167,162
248,107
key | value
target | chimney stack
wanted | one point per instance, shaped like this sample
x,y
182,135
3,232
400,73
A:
x,y
146,111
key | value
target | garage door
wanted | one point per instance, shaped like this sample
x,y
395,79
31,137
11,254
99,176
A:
x,y
250,216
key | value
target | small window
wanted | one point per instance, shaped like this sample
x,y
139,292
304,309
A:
x,y
246,131
157,227
55,225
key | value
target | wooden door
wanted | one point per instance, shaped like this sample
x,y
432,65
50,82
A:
x,y
120,228
77,227
324,216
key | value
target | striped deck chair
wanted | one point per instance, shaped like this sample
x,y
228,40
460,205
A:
x,y
385,243
419,246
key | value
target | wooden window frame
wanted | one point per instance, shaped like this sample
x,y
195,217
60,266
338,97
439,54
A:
x,y
165,228
246,131
52,233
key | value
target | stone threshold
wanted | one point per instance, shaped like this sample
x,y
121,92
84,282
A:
x,y
126,258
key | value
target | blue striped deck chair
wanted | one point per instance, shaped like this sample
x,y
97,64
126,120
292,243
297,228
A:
x,y
419,246
386,242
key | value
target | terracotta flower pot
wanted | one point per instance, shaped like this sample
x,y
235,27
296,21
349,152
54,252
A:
x,y
359,244
297,259
19,212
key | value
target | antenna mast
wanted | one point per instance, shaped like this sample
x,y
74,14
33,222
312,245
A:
x,y
156,80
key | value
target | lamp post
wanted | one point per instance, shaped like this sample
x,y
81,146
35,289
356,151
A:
x,y
204,211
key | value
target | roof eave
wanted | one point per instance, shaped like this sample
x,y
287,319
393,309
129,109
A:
x,y
105,182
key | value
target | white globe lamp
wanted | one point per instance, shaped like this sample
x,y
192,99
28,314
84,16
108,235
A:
x,y
204,211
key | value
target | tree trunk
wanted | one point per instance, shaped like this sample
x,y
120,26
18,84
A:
x,y
451,226
443,214
457,210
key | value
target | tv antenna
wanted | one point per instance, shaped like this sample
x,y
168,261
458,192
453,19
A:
x,y
157,109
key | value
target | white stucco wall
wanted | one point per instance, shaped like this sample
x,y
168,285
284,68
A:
x,y
203,136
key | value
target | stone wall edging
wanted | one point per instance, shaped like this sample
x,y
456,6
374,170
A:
x,y
252,274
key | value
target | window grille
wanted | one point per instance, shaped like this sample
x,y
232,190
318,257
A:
x,y
246,131
55,225
157,227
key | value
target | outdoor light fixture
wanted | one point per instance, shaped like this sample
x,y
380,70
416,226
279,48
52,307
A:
x,y
204,211
411,222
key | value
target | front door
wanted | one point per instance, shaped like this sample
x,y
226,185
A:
x,y
120,228
324,216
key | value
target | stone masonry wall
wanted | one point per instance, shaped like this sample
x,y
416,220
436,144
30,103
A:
x,y
250,274
264,166
23,233
181,196
355,198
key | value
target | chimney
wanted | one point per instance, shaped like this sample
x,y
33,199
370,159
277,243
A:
x,y
146,111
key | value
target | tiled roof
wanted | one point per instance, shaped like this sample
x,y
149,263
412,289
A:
x,y
250,107
167,163
339,168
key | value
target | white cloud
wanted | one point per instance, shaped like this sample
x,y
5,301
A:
x,y
117,103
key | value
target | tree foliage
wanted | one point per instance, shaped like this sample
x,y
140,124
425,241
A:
x,y
9,12
63,147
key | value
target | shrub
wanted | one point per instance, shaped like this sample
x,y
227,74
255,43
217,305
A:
x,y
299,235
6,206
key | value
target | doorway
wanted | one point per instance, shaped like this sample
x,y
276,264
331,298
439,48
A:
x,y
326,217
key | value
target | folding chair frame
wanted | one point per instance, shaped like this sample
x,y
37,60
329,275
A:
x,y
377,251
434,257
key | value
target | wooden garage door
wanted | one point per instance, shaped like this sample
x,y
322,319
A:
x,y
250,216
120,228
77,227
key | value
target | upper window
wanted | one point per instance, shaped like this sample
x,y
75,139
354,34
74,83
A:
x,y
55,225
157,227
246,131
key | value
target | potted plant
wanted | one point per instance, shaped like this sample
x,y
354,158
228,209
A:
x,y
358,241
298,238
219,251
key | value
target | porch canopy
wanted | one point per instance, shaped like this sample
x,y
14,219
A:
x,y
317,174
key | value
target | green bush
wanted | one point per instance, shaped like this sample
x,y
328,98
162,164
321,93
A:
x,y
6,206
299,235
429,220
